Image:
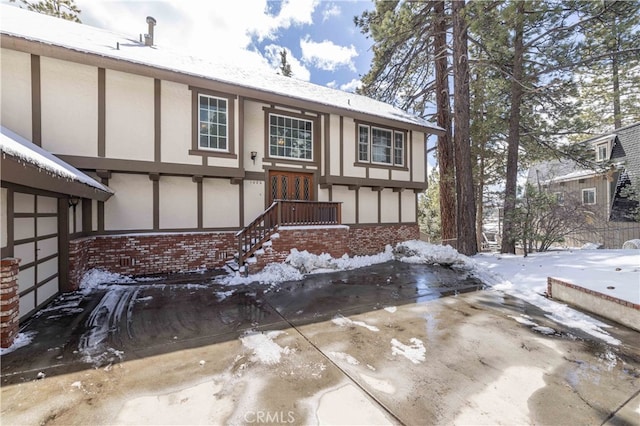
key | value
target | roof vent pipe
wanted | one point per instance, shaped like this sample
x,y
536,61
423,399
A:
x,y
148,38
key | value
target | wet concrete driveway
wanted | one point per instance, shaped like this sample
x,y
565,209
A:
x,y
370,346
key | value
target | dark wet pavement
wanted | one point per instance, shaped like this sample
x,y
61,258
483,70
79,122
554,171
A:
x,y
133,321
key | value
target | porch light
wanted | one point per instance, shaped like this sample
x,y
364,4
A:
x,y
254,154
73,201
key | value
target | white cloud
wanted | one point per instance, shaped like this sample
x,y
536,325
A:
x,y
272,54
351,86
332,9
332,84
327,55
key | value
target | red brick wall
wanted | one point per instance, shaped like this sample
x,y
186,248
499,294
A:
x,y
149,253
371,239
9,301
332,240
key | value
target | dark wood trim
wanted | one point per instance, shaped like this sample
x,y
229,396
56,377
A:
x,y
255,176
195,123
36,101
151,232
63,244
327,144
104,181
416,195
200,194
87,216
117,64
341,154
316,141
241,132
357,205
8,250
241,205
136,166
330,193
157,120
102,112
372,183
410,148
156,203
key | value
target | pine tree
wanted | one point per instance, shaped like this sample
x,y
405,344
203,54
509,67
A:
x,y
65,9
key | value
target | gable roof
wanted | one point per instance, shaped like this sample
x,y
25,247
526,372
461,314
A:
x,y
82,38
24,163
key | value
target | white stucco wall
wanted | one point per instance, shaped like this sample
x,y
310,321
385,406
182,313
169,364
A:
x,y
221,203
253,134
368,208
3,217
419,158
61,81
323,194
129,116
176,124
15,80
131,207
348,199
375,173
334,143
253,200
178,203
389,211
408,206
349,151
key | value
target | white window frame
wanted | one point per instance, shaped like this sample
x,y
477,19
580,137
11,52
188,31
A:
x,y
366,143
606,151
391,147
202,123
287,117
594,196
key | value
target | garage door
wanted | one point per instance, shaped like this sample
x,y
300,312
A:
x,y
36,244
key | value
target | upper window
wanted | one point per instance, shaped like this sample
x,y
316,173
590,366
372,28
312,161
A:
x,y
602,152
213,123
290,137
381,146
589,196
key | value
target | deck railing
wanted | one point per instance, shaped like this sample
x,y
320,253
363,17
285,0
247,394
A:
x,y
285,212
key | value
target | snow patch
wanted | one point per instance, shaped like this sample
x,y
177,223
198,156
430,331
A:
x,y
344,357
414,352
341,321
391,309
99,278
21,339
265,350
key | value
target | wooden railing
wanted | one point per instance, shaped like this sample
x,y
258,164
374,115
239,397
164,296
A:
x,y
285,212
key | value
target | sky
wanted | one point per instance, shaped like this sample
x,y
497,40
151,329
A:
x,y
323,44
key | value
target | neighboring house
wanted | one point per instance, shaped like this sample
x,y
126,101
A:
x,y
603,186
182,158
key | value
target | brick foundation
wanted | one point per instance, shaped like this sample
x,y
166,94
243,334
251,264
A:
x,y
372,239
144,254
9,301
333,240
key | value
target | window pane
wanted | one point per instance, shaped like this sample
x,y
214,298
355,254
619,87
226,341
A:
x,y
398,156
290,137
213,122
381,146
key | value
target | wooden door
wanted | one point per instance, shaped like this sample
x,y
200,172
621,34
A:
x,y
290,186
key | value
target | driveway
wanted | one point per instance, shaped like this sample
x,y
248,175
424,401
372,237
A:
x,y
388,344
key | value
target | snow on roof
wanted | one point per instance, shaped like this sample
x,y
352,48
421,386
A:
x,y
19,147
83,38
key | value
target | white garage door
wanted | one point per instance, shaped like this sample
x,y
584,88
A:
x,y
36,244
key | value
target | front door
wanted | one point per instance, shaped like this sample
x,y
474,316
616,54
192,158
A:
x,y
290,186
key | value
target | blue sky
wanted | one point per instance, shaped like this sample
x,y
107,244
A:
x,y
321,40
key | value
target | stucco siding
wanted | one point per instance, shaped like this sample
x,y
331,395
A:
x,y
389,210
221,203
323,194
403,175
348,199
349,150
334,144
69,94
419,158
129,116
253,134
15,79
376,173
253,200
176,124
178,203
408,207
368,208
131,207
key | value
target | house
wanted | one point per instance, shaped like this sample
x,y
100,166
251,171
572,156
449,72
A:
x,y
176,163
602,185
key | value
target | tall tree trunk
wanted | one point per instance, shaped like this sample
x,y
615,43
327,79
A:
x,y
480,198
445,144
466,208
617,115
513,140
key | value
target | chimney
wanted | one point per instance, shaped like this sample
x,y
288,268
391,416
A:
x,y
148,38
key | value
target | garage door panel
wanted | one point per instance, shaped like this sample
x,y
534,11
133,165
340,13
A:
x,y
48,290
47,269
47,226
25,252
23,228
23,203
26,279
47,247
27,304
47,205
